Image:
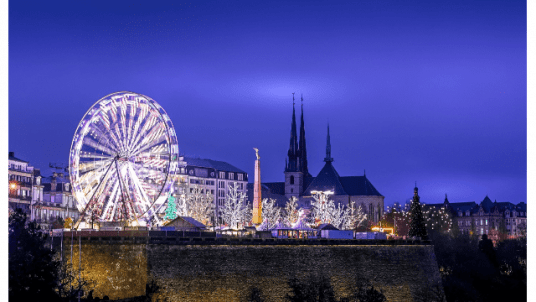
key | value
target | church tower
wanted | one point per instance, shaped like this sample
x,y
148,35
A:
x,y
293,170
302,149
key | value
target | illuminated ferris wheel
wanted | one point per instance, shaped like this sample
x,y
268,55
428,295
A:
x,y
122,159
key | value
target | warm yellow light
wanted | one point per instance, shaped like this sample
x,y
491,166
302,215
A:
x,y
13,186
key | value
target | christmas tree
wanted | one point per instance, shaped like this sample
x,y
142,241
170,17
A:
x,y
417,227
171,210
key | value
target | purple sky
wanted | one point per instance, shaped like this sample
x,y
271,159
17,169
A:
x,y
426,91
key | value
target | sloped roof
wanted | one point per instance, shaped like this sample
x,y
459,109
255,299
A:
x,y
273,190
327,180
214,164
487,204
12,157
327,226
275,187
358,185
191,221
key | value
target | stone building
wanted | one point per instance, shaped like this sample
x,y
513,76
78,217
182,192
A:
x,y
21,184
487,217
300,183
25,187
57,201
209,175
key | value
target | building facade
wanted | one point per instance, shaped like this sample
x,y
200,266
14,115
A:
x,y
21,184
58,201
301,184
488,217
210,176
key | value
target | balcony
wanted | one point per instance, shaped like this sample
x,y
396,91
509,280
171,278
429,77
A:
x,y
21,170
16,196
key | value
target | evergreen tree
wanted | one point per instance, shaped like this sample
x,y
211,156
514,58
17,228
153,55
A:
x,y
417,227
171,210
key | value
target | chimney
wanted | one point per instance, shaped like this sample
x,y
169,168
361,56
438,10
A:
x,y
12,154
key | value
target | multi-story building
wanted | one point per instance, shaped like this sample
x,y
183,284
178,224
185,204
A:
x,y
57,201
209,175
21,181
487,217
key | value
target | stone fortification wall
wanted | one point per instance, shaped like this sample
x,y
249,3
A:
x,y
211,271
229,273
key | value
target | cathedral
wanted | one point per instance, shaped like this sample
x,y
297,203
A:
x,y
300,183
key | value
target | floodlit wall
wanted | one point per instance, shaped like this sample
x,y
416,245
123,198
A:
x,y
222,272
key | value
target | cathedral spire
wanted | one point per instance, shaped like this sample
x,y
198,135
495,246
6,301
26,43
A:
x,y
302,149
293,148
328,158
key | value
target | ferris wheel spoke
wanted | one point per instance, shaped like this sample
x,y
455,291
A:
x,y
146,122
150,123
88,141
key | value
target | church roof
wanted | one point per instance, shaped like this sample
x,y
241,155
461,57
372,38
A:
x,y
327,180
358,185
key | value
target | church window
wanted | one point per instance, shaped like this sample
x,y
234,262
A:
x,y
291,179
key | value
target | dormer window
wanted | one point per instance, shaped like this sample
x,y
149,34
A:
x,y
467,213
460,213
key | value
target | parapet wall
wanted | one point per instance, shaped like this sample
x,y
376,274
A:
x,y
229,270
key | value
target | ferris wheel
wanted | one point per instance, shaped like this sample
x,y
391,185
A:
x,y
123,156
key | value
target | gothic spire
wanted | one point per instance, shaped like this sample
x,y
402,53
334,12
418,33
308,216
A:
x,y
302,149
328,158
293,148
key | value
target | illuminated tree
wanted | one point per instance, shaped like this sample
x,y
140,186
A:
x,y
355,217
291,211
323,207
417,225
437,220
341,217
171,210
182,206
234,210
200,205
271,213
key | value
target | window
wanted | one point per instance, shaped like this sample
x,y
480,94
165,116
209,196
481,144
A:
x,y
221,184
291,190
231,176
481,222
240,176
291,179
486,222
481,231
222,174
52,198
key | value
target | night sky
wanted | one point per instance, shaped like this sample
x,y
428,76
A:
x,y
426,91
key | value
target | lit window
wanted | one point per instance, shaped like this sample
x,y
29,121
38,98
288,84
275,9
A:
x,y
486,222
